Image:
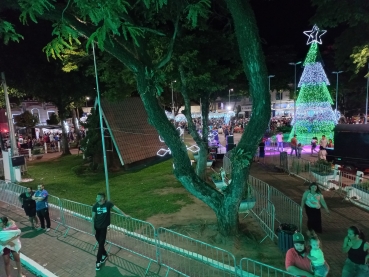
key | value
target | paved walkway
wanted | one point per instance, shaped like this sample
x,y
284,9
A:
x,y
74,255
343,214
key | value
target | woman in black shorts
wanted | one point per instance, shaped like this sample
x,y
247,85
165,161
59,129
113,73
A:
x,y
29,206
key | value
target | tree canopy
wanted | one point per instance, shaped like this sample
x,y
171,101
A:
x,y
127,31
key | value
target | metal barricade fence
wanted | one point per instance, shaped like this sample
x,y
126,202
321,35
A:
x,y
250,268
55,210
259,186
286,210
191,257
133,235
322,174
358,193
10,193
76,216
227,165
264,213
299,168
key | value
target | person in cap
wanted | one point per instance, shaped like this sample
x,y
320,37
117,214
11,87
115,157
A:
x,y
297,261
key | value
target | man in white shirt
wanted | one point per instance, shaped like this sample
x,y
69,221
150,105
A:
x,y
279,138
323,142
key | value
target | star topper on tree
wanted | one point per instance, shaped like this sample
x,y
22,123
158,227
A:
x,y
314,35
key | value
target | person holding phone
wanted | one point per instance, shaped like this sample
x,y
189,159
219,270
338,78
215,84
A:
x,y
354,244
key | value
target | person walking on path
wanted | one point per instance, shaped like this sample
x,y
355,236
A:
x,y
42,207
279,138
314,141
313,200
101,221
322,154
294,145
297,261
356,264
9,225
29,206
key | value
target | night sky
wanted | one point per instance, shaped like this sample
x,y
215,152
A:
x,y
280,22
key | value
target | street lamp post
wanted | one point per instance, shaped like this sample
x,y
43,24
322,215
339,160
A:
x,y
87,98
229,98
270,76
172,97
337,72
294,94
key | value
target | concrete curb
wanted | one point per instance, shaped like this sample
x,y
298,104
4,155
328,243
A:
x,y
35,268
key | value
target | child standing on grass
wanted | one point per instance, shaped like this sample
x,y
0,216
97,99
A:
x,y
299,150
316,256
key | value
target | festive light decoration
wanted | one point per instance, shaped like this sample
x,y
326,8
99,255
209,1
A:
x,y
163,151
314,114
314,36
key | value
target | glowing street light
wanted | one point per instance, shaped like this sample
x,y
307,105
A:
x,y
87,98
229,98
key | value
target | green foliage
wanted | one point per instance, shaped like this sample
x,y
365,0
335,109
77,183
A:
x,y
144,194
54,119
8,33
33,8
284,129
91,144
353,18
66,37
11,92
26,119
199,9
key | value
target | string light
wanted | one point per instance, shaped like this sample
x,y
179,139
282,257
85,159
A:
x,y
314,36
163,151
314,114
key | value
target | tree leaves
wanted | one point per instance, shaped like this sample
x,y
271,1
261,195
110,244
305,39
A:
x,y
200,8
7,32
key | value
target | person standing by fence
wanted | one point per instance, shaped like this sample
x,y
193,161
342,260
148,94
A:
x,y
101,221
42,207
356,264
313,200
29,206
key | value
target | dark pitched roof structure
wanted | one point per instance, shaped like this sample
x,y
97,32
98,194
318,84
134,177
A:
x,y
134,138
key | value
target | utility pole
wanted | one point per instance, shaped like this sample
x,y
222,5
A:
x,y
101,127
172,97
270,76
229,98
295,92
337,72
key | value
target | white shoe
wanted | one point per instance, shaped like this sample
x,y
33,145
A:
x,y
48,229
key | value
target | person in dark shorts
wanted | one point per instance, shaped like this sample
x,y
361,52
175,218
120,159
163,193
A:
x,y
100,222
29,206
6,224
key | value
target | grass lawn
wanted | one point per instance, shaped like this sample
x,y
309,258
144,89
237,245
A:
x,y
140,194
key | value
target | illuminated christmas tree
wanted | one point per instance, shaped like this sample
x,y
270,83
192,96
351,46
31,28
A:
x,y
314,114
